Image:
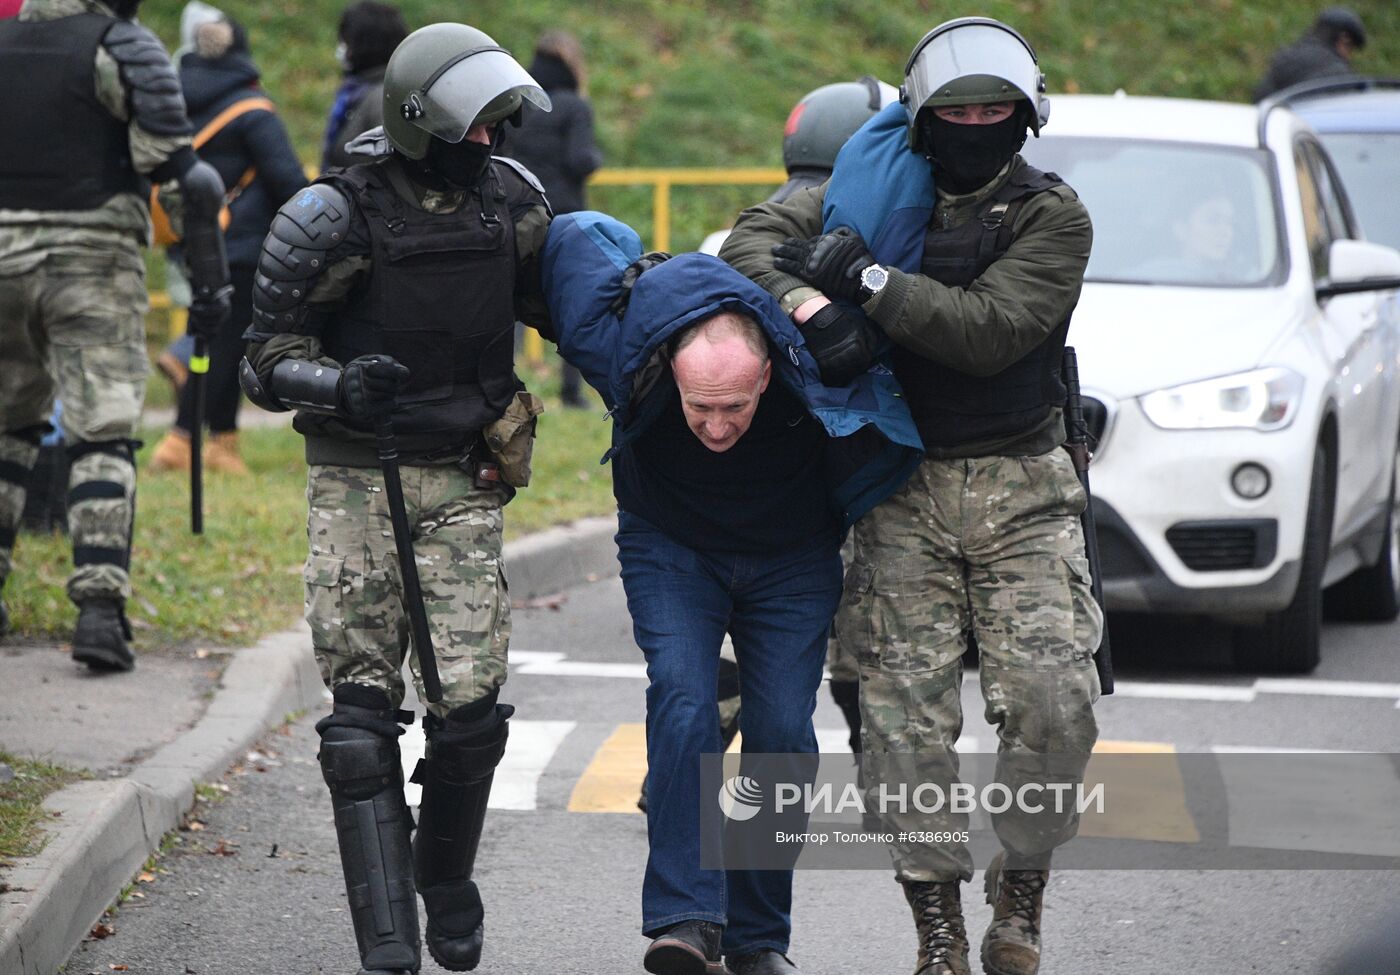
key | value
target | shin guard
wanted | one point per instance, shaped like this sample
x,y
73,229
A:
x,y
462,754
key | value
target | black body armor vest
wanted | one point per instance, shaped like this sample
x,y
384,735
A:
x,y
66,151
951,408
440,300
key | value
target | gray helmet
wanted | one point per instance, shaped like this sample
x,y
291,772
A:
x,y
973,61
824,119
445,78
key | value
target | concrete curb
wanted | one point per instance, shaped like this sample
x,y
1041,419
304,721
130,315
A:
x,y
105,830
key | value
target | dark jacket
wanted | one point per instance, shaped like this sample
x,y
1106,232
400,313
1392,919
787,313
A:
x,y
358,107
254,139
557,146
873,445
1306,59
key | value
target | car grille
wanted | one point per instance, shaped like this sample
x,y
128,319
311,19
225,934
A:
x,y
1218,546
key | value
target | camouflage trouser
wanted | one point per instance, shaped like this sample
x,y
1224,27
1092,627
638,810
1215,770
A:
x,y
74,323
840,661
354,592
991,546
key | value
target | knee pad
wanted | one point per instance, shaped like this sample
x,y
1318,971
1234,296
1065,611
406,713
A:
x,y
359,742
470,742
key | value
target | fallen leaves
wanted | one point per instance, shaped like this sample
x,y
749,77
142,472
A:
x,y
223,848
101,930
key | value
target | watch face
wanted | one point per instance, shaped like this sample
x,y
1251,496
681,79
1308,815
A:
x,y
874,277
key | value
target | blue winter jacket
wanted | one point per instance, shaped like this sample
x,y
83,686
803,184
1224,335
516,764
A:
x,y
874,445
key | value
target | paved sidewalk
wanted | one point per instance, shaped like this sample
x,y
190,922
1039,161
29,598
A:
x,y
149,737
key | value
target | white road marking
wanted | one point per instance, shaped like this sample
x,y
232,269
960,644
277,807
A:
x,y
528,753
1328,688
1184,692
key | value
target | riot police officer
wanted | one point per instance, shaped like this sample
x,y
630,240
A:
x,y
393,286
938,248
92,113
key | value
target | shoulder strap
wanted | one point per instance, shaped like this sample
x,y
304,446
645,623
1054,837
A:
x,y
241,107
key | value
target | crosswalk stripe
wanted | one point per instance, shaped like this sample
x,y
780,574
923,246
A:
x,y
612,780
516,785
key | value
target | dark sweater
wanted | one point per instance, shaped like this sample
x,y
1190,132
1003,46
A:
x,y
256,138
558,146
761,496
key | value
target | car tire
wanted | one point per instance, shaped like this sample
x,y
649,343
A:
x,y
1372,594
1290,641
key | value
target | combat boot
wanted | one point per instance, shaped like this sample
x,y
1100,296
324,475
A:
x,y
222,454
1012,943
172,453
360,762
938,919
101,637
460,761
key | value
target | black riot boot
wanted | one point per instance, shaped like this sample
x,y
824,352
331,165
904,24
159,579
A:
x,y
846,694
360,762
461,758
100,639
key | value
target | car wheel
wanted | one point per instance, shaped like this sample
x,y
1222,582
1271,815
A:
x,y
1290,640
1372,594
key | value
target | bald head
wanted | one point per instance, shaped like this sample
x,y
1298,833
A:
x,y
721,368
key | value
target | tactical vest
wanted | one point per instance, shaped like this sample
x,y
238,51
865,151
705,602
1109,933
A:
x,y
951,408
66,150
440,299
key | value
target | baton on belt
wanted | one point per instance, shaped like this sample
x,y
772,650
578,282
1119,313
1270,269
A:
x,y
199,369
408,568
1077,443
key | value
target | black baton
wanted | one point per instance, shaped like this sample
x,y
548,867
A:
x,y
1077,443
408,568
199,369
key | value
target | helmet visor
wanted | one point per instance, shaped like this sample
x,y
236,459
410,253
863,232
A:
x,y
970,65
455,98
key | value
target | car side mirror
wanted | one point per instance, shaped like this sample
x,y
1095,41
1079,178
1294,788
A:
x,y
1355,266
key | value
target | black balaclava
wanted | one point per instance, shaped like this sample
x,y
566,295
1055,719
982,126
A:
x,y
461,165
125,9
968,157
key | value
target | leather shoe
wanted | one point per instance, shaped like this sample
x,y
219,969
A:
x,y
687,948
765,961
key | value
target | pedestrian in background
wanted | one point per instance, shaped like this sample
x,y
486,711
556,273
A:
x,y
253,154
93,98
984,259
559,146
1323,52
369,32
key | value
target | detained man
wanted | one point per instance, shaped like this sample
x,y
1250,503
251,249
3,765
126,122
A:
x,y
737,472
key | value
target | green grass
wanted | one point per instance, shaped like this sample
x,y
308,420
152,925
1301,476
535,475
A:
x,y
710,82
242,578
21,804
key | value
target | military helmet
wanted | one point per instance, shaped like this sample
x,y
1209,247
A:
x,y
973,61
443,79
824,119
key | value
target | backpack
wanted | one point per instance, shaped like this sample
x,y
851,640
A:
x,y
164,232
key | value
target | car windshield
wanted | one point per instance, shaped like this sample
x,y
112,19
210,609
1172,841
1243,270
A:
x,y
1169,213
1369,164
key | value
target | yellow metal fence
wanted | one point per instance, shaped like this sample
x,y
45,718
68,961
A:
x,y
660,181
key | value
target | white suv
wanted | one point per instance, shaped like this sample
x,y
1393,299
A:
x,y
1244,388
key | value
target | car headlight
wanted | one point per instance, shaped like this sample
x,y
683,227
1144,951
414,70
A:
x,y
1262,399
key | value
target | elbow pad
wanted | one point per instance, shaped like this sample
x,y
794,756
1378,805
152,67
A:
x,y
202,193
257,393
307,385
294,255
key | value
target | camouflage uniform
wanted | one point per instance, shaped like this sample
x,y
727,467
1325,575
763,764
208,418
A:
x,y
354,593
72,323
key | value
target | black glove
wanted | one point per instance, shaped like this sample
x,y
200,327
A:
x,y
830,262
630,274
369,384
844,341
210,312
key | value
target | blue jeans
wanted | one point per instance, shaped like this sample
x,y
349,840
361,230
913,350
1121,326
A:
x,y
778,610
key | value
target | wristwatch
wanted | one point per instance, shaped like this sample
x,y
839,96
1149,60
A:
x,y
872,281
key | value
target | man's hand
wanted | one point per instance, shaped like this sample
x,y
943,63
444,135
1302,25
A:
x,y
630,274
844,342
831,262
369,384
210,312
